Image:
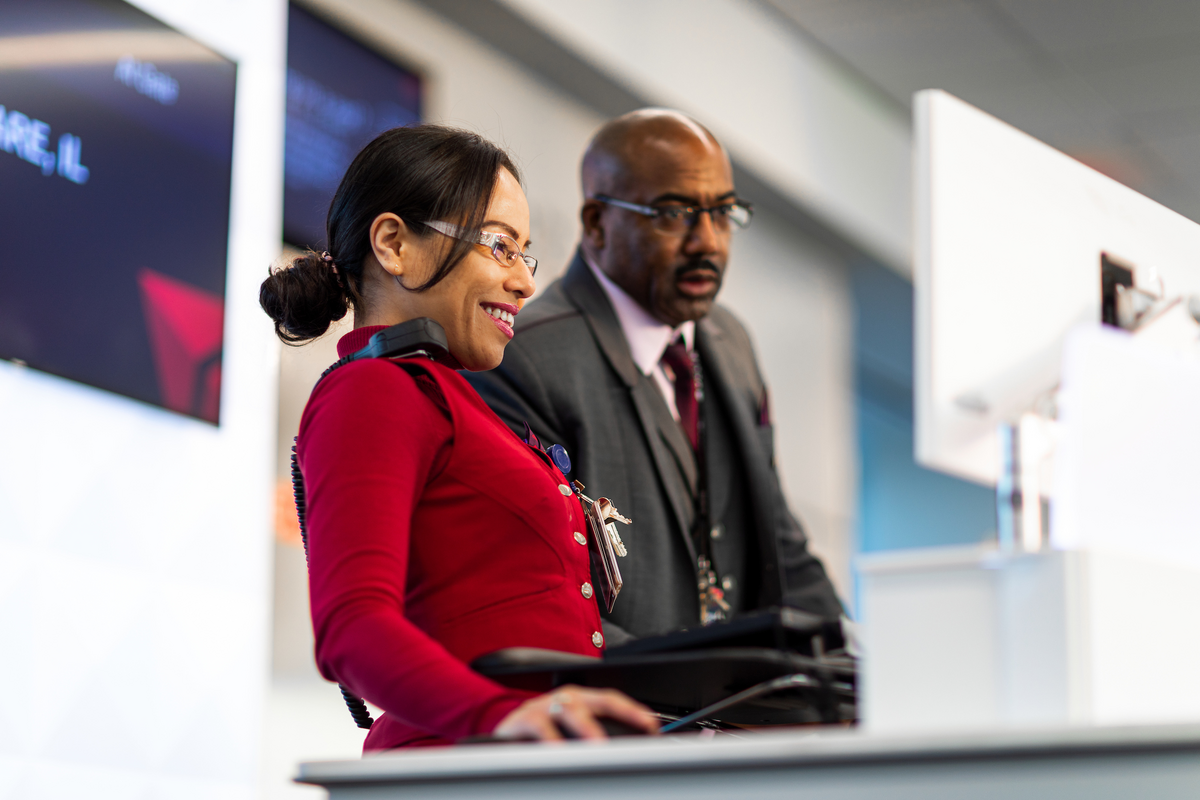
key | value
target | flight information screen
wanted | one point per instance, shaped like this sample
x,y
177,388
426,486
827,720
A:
x,y
116,144
340,96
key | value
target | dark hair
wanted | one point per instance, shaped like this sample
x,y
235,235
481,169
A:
x,y
421,174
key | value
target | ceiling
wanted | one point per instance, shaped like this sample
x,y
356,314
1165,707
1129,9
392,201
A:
x,y
1114,83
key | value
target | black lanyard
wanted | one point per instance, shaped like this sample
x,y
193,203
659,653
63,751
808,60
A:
x,y
713,607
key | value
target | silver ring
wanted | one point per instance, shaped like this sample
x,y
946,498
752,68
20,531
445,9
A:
x,y
556,704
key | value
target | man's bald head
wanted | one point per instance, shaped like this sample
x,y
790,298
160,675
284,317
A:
x,y
644,139
658,159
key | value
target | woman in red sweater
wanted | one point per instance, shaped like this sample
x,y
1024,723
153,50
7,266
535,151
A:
x,y
435,534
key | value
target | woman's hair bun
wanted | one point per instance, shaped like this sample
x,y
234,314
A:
x,y
304,297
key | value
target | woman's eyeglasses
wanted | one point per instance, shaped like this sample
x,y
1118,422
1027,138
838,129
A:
x,y
672,218
502,246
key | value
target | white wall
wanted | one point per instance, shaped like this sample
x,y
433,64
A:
x,y
134,543
804,125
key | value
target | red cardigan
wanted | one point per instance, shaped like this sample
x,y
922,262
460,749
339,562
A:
x,y
435,536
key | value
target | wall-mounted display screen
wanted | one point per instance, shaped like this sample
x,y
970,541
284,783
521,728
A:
x,y
116,144
340,95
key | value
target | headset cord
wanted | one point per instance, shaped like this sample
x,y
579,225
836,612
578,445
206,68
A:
x,y
358,708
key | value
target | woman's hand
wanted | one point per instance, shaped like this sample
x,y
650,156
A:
x,y
575,710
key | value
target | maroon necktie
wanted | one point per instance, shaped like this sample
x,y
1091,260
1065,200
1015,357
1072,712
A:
x,y
678,366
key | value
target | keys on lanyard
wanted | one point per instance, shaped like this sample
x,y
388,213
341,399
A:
x,y
605,543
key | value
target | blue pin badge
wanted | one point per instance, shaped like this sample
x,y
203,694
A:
x,y
558,454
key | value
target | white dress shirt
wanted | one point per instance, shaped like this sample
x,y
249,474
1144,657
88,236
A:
x,y
648,338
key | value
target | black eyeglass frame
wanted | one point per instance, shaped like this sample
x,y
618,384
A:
x,y
687,212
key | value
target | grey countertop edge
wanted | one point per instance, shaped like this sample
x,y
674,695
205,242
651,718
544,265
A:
x,y
752,750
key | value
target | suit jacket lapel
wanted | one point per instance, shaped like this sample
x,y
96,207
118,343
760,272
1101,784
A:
x,y
587,295
668,445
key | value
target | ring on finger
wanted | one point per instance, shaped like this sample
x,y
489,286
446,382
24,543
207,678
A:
x,y
557,701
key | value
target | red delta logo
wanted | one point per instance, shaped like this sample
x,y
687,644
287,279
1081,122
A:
x,y
186,326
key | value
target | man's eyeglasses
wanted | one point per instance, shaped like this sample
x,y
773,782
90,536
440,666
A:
x,y
502,246
673,218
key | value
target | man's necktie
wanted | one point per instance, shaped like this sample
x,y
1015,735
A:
x,y
678,366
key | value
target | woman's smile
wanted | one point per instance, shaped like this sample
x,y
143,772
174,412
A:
x,y
502,315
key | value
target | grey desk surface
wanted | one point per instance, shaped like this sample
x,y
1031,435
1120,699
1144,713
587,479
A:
x,y
1144,762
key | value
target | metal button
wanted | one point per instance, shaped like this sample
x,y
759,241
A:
x,y
598,639
728,582
579,537
718,531
566,490
586,590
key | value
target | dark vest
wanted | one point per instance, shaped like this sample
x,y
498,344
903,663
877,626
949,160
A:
x,y
735,543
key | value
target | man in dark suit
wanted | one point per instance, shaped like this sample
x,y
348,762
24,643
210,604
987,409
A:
x,y
607,362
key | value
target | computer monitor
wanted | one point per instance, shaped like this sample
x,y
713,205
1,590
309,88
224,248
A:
x,y
1009,238
340,96
116,150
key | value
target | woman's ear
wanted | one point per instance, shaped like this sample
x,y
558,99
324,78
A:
x,y
392,243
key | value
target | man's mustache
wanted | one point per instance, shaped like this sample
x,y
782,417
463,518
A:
x,y
700,265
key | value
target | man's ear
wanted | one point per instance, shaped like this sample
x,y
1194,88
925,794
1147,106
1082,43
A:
x,y
392,244
593,228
